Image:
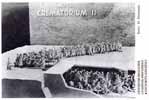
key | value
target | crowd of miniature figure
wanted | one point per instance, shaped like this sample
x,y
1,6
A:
x,y
102,82
41,58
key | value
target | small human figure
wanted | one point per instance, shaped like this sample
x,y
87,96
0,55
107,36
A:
x,y
8,64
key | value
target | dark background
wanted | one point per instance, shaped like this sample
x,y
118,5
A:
x,y
15,25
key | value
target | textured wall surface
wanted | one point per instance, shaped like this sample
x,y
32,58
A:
x,y
113,21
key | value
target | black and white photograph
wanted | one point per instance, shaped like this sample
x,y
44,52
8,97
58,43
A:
x,y
68,50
